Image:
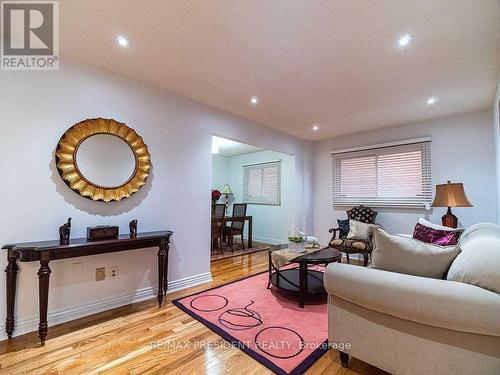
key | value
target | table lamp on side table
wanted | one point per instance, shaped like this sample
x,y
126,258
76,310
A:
x,y
450,195
226,191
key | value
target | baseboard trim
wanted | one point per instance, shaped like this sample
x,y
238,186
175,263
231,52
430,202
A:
x,y
272,241
189,282
65,315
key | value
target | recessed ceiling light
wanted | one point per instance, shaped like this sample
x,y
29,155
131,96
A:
x,y
315,127
404,40
432,100
122,41
254,100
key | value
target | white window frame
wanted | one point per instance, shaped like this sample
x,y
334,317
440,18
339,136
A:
x,y
378,200
262,200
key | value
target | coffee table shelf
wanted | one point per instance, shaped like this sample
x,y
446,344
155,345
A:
x,y
303,280
290,281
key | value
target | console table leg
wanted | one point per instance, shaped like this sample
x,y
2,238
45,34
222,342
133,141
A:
x,y
165,270
11,273
161,273
43,293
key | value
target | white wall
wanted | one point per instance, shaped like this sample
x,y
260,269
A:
x,y
271,224
462,151
496,137
220,173
36,109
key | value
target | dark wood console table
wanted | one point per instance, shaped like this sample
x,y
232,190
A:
x,y
47,251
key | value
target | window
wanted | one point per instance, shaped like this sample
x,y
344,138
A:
x,y
391,175
262,183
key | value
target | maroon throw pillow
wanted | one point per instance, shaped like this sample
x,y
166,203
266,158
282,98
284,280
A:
x,y
435,236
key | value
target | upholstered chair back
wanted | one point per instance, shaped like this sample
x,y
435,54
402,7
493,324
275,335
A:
x,y
363,214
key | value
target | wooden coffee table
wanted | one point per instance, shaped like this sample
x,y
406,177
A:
x,y
301,279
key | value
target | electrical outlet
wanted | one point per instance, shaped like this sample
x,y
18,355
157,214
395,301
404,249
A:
x,y
113,272
100,273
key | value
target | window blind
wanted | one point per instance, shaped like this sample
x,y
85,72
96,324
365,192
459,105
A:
x,y
389,176
262,183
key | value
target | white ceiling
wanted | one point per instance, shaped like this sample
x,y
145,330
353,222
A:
x,y
331,62
227,147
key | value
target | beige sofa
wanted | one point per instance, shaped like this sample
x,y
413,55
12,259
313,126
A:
x,y
407,324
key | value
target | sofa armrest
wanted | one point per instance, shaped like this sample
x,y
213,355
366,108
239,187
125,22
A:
x,y
440,303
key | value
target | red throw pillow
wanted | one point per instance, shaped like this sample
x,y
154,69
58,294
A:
x,y
435,236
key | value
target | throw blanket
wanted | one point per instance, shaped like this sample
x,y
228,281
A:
x,y
281,257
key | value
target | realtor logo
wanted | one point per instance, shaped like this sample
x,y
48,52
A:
x,y
30,35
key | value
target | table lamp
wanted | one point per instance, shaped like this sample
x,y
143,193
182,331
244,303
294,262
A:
x,y
450,195
226,191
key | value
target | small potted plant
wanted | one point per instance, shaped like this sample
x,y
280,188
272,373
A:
x,y
296,243
215,195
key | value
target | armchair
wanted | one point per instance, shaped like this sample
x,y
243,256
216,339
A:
x,y
354,246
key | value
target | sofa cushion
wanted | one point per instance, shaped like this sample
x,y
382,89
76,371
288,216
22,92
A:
x,y
438,227
413,257
344,227
479,260
359,230
435,236
353,244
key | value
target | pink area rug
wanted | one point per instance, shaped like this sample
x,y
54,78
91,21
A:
x,y
268,326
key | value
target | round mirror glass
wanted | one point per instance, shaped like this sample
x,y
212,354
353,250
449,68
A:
x,y
105,160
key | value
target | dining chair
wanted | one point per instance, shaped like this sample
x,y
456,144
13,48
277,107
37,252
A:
x,y
218,218
237,224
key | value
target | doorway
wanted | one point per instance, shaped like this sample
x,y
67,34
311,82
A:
x,y
261,179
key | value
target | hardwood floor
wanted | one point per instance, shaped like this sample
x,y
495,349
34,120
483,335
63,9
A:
x,y
120,341
217,254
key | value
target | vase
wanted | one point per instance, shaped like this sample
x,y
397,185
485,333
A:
x,y
297,247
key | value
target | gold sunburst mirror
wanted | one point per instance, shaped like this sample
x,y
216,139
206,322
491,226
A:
x,y
103,159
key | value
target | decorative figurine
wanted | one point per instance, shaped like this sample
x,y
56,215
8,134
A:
x,y
133,228
64,231
309,240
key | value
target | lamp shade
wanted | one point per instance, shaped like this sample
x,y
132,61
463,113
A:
x,y
227,190
451,195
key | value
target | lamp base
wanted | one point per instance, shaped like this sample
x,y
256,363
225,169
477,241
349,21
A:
x,y
226,202
449,220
